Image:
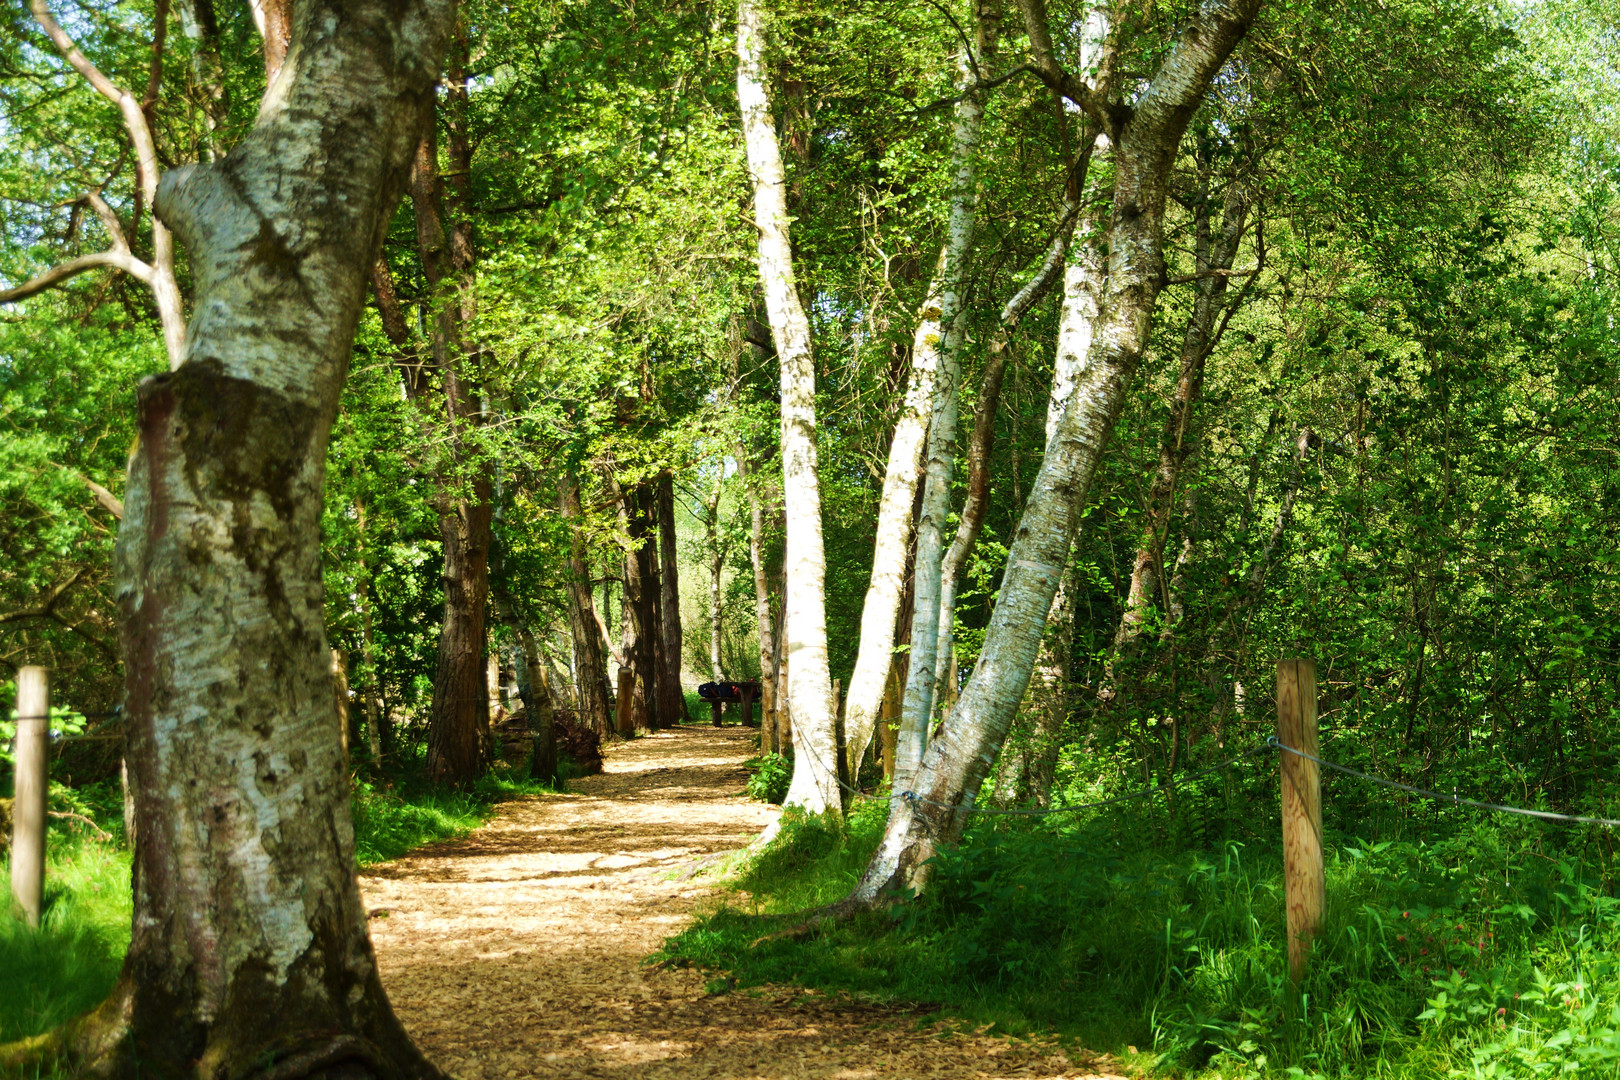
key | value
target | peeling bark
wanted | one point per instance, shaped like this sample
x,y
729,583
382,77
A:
x,y
249,954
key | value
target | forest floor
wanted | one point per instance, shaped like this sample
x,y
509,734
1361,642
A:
x,y
519,950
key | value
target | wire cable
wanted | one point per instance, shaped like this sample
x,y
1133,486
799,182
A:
x,y
1456,800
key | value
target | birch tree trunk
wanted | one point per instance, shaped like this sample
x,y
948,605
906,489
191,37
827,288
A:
x,y
977,501
815,778
944,332
249,954
954,767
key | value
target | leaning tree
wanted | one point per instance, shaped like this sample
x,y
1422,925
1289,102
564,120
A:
x,y
249,954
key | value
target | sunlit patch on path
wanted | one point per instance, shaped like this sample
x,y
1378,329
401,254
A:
x,y
517,951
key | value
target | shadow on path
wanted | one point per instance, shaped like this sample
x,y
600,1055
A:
x,y
518,950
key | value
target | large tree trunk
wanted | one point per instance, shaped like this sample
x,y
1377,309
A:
x,y
590,672
815,777
954,767
917,704
933,360
673,701
249,953
460,716
637,625
459,722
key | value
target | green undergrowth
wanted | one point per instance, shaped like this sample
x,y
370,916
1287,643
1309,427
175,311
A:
x,y
400,812
1484,954
70,963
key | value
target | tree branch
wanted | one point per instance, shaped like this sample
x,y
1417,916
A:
x,y
118,260
160,274
45,608
1046,68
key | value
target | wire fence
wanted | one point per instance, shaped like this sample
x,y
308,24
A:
x,y
1272,743
58,736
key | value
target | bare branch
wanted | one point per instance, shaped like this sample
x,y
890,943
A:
x,y
160,274
1046,68
118,260
109,502
46,607
109,220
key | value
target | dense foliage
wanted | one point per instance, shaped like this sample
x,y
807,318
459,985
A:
x,y
1401,457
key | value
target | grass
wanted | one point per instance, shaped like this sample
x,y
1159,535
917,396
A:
x,y
70,963
400,812
1482,954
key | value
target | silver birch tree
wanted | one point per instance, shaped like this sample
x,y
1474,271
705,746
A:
x,y
1146,136
944,332
933,349
809,697
249,953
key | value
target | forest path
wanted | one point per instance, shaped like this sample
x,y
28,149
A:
x,y
518,950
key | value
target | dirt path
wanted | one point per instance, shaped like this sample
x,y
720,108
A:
x,y
518,950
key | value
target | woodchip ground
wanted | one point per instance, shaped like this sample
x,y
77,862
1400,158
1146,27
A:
x,y
520,950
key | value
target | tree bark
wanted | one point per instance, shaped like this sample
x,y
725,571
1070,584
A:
x,y
934,336
917,703
590,672
954,767
717,562
977,502
637,624
669,673
815,780
249,954
459,721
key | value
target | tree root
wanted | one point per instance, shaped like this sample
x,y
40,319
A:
x,y
831,915
85,1045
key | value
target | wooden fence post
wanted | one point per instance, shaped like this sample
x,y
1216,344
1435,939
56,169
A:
x,y
1305,879
28,811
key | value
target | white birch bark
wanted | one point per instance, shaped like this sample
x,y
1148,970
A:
x,y
912,431
931,812
973,510
941,328
249,940
809,698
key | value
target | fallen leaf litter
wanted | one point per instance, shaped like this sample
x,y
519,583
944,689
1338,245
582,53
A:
x,y
519,950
